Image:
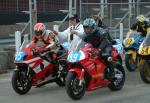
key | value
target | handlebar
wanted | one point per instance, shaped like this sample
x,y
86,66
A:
x,y
93,52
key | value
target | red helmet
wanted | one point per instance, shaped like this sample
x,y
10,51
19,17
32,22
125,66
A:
x,y
39,30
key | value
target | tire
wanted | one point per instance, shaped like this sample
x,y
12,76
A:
x,y
60,81
73,89
145,71
19,84
130,63
119,79
62,78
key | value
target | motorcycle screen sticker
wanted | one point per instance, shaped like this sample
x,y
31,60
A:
x,y
20,56
75,56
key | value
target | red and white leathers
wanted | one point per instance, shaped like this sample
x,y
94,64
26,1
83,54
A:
x,y
45,43
65,35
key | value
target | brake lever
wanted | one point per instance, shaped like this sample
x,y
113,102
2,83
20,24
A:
x,y
93,52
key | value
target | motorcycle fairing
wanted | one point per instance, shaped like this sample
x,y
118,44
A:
x,y
133,41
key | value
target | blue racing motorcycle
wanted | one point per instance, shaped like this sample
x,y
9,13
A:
x,y
131,45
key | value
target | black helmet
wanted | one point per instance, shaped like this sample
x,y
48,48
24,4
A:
x,y
75,16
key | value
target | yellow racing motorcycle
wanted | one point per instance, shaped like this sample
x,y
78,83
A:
x,y
144,52
131,45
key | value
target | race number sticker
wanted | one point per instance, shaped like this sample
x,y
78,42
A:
x,y
128,41
75,56
144,50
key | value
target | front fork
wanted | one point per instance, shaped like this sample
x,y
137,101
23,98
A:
x,y
80,74
25,73
81,77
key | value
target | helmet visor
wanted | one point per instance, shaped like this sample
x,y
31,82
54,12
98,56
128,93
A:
x,y
88,30
86,26
38,33
141,23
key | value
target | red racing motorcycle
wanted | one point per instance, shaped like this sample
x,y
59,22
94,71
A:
x,y
36,69
88,71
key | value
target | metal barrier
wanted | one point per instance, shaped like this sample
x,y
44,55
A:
x,y
113,14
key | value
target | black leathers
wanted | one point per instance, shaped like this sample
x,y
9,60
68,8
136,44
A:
x,y
98,39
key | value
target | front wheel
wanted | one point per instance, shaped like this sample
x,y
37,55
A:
x,y
20,82
130,63
145,71
74,90
118,82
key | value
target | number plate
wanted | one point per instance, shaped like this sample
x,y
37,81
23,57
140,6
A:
x,y
144,50
76,56
128,41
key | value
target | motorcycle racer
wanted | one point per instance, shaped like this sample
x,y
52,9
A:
x,y
43,40
141,26
97,37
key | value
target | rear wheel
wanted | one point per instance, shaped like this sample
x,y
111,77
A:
x,y
20,82
118,82
145,71
74,90
130,63
60,81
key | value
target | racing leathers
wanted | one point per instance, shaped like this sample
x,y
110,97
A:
x,y
141,28
47,43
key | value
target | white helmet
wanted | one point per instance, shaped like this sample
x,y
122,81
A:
x,y
140,18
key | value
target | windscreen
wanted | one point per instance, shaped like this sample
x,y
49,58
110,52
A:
x,y
77,45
